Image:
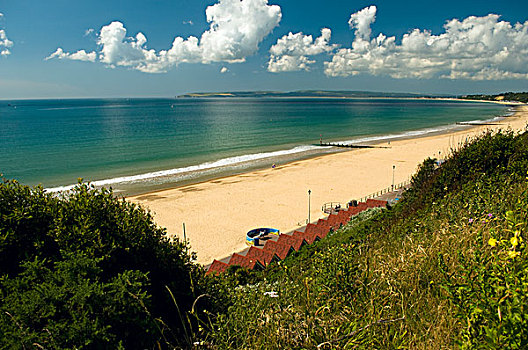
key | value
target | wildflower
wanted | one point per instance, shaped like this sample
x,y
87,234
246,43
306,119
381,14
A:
x,y
512,254
470,220
492,242
272,294
490,215
514,241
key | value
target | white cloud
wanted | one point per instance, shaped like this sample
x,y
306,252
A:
x,y
5,43
476,48
89,31
236,28
80,55
189,22
224,70
291,51
362,20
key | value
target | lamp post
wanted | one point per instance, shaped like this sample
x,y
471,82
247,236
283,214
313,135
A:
x,y
393,167
309,192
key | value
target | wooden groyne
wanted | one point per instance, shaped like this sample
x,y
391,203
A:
x,y
476,123
331,144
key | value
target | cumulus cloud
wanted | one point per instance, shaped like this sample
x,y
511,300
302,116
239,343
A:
x,y
5,43
291,52
476,48
236,28
80,55
224,70
362,20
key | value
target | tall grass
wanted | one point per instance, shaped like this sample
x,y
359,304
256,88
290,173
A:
x,y
445,267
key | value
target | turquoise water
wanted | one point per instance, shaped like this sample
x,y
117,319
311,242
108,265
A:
x,y
137,145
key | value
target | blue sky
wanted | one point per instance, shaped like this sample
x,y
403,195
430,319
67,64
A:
x,y
59,48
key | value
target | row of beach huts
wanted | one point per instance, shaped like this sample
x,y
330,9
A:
x,y
258,257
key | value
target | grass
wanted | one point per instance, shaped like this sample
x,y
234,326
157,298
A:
x,y
420,275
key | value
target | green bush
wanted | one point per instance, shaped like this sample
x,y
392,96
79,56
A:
x,y
90,270
68,306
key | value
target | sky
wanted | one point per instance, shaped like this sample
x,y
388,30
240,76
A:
x,y
163,48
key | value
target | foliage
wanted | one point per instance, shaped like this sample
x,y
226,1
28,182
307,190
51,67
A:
x,y
489,288
69,306
88,270
421,274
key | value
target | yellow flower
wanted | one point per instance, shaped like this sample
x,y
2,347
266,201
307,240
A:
x,y
492,242
514,241
512,254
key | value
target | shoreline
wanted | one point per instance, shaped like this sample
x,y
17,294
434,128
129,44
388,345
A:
x,y
169,177
217,213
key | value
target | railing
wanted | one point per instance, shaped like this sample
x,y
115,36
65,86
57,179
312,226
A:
x,y
386,190
330,207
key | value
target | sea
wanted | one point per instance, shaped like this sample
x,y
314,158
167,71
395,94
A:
x,y
146,144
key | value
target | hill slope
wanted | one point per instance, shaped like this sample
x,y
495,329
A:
x,y
446,266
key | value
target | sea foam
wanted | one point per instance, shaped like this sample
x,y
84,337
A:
x,y
230,161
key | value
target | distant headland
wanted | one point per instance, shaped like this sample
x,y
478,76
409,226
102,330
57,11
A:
x,y
505,97
311,93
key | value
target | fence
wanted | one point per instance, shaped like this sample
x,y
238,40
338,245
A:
x,y
386,190
330,207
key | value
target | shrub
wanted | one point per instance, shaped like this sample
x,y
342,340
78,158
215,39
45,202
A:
x,y
90,270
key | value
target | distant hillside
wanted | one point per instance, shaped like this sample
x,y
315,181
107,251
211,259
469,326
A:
x,y
506,96
303,93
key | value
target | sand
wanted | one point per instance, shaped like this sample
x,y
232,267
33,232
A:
x,y
218,213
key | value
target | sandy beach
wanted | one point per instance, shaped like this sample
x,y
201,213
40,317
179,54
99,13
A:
x,y
218,213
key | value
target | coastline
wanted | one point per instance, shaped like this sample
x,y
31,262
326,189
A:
x,y
171,170
217,213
